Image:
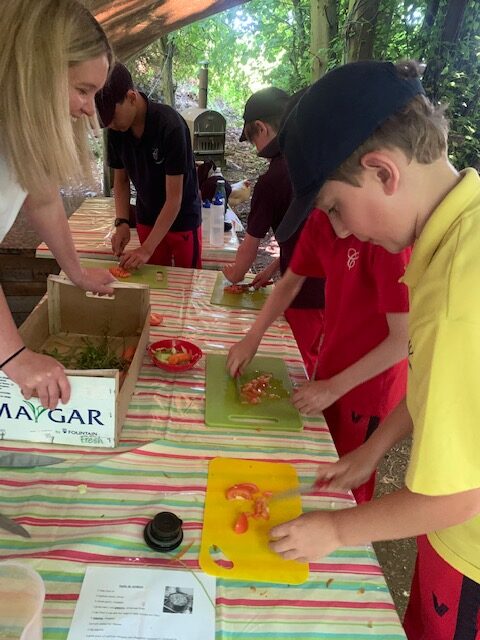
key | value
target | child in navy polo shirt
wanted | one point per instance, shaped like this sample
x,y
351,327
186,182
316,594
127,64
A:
x,y
149,144
270,200
361,371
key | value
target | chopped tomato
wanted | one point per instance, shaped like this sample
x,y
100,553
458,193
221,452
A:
x,y
241,523
257,389
119,272
242,491
236,288
260,508
155,319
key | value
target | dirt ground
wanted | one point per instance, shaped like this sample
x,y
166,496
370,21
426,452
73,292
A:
x,y
397,558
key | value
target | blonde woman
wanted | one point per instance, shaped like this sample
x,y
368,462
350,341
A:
x,y
54,57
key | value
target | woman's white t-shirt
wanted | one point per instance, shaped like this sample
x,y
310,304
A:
x,y
12,197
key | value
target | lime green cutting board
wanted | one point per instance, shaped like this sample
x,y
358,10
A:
x,y
223,407
152,274
249,300
247,556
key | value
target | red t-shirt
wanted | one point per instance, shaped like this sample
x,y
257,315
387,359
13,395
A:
x,y
362,286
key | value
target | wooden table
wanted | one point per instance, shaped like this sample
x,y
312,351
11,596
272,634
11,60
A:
x,y
92,508
92,226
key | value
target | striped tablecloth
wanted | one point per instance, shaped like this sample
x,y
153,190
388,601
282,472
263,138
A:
x,y
92,508
91,227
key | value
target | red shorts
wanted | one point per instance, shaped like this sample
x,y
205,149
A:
x,y
178,248
444,604
307,326
349,431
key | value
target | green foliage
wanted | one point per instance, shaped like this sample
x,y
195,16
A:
x,y
399,28
459,88
89,356
267,42
453,79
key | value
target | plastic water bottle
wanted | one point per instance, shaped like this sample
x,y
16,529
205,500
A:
x,y
206,215
217,216
221,193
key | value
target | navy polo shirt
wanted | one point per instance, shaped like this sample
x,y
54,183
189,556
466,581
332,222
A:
x,y
164,149
270,200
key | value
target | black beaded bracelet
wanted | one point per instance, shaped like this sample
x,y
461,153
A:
x,y
14,355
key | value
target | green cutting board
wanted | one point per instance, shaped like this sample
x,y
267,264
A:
x,y
250,300
147,274
223,407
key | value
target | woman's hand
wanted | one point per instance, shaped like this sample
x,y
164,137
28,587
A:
x,y
95,280
39,375
241,354
313,397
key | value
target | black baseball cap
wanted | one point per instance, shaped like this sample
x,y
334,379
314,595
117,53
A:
x,y
262,104
332,119
119,82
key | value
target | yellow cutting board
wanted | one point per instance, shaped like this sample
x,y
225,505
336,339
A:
x,y
247,556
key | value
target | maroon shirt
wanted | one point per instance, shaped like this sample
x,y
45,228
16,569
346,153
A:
x,y
270,200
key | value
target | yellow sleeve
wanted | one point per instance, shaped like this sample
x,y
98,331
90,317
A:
x,y
443,398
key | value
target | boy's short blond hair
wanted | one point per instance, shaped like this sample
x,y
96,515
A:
x,y
419,130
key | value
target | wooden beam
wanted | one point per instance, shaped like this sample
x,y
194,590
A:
x,y
132,25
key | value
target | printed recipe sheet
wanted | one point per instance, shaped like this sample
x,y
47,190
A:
x,y
126,603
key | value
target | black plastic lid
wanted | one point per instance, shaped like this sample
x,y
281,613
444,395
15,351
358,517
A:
x,y
164,532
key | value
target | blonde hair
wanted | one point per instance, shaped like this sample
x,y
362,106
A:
x,y
420,130
40,41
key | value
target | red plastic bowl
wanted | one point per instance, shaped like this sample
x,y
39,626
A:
x,y
177,343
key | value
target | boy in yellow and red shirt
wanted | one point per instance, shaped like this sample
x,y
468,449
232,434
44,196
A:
x,y
367,146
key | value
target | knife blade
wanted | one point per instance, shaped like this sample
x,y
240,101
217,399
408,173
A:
x,y
238,387
290,493
250,285
10,525
20,460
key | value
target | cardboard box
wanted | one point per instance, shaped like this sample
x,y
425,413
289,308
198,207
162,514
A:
x,y
96,411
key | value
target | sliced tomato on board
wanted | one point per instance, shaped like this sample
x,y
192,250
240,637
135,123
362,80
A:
x,y
261,508
236,288
241,523
119,272
242,491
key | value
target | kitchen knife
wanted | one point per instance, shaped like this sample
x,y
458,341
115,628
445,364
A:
x,y
10,525
238,387
249,285
291,493
20,460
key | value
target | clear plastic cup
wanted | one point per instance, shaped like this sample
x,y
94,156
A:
x,y
22,594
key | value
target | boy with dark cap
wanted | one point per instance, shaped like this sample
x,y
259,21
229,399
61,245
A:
x,y
270,200
367,146
149,144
